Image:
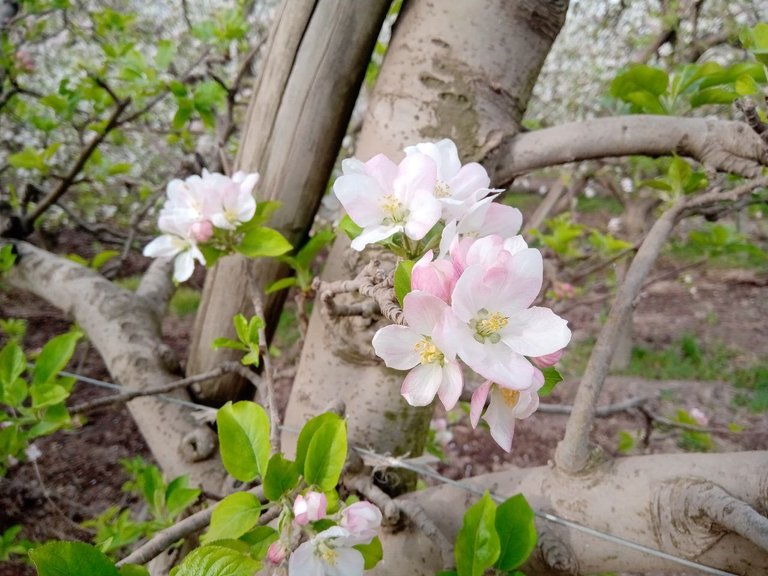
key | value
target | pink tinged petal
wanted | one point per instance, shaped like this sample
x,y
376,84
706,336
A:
x,y
496,362
452,384
348,562
276,553
374,234
421,384
360,196
352,166
416,176
383,171
502,220
449,236
396,345
423,311
527,405
424,213
361,519
526,270
470,183
515,244
444,333
476,405
164,246
438,277
485,251
459,250
535,332
304,562
500,419
248,181
201,231
300,508
444,154
478,288
548,359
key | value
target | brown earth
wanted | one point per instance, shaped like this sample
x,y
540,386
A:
x,y
81,473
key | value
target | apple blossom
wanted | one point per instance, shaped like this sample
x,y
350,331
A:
x,y
236,204
436,277
309,508
176,243
492,326
329,553
506,405
363,521
457,187
423,349
276,553
385,198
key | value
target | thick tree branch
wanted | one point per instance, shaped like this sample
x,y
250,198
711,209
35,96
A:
x,y
724,146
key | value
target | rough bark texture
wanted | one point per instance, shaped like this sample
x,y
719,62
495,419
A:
x,y
313,69
460,77
619,498
124,327
724,146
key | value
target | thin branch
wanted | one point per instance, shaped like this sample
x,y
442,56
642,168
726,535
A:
x,y
600,412
129,395
166,538
85,155
267,379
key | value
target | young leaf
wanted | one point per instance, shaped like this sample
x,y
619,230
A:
x,y
281,477
259,540
241,327
243,439
178,497
12,365
477,544
403,279
551,379
263,242
351,229
133,570
54,357
326,455
517,532
227,343
233,517
281,285
306,434
210,560
71,559
372,552
309,251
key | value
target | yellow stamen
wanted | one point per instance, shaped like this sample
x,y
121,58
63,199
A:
x,y
393,209
428,352
511,397
492,324
442,190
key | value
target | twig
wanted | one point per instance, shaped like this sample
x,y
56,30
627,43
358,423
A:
x,y
267,376
602,411
163,389
652,416
85,155
165,538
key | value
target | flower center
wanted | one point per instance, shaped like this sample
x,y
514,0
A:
x,y
428,352
511,397
442,190
487,326
395,213
328,554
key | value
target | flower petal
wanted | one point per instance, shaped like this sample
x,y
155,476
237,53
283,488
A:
x,y
349,562
374,234
476,405
471,182
396,345
536,332
501,421
423,311
421,384
303,562
361,196
183,266
165,246
452,384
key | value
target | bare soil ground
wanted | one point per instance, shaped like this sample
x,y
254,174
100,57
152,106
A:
x,y
80,473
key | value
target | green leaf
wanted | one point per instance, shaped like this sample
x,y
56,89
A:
x,y
281,477
646,102
309,251
372,553
679,173
133,570
15,394
281,284
178,496
626,442
477,544
351,229
243,439
165,52
551,379
12,365
326,455
71,559
714,95
233,517
103,257
227,343
264,211
29,159
259,540
640,77
54,357
308,432
745,85
241,327
263,242
47,394
216,561
517,532
403,279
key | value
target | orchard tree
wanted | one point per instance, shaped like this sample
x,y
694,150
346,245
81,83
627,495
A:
x,y
459,71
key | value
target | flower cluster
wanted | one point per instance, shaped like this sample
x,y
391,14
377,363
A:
x,y
471,306
331,550
194,210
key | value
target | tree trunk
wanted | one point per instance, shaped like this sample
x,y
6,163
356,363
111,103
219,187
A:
x,y
297,117
454,69
654,501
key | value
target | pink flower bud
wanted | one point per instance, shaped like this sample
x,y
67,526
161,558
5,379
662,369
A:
x,y
437,278
202,231
309,508
699,416
276,553
362,519
548,359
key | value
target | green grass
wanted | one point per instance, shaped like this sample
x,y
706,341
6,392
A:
x,y
754,385
597,204
683,360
